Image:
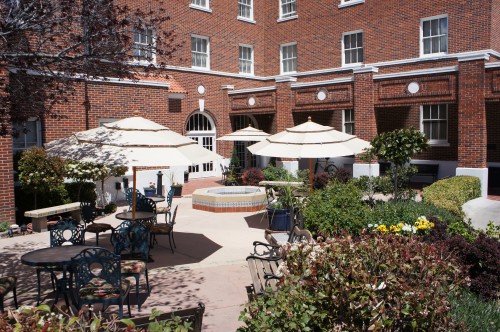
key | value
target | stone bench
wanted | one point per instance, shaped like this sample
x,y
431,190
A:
x,y
39,217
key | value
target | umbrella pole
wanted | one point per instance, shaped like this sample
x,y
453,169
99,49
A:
x,y
134,196
310,175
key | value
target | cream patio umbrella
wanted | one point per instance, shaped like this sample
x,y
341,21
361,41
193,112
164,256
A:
x,y
248,134
133,142
309,140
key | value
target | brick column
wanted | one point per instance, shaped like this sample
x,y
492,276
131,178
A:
x,y
284,117
365,123
7,205
225,148
472,138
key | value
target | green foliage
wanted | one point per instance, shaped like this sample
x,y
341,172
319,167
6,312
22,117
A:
x,y
110,208
252,176
371,185
463,228
4,226
334,209
175,324
393,213
452,193
39,173
235,160
398,146
371,282
273,173
87,191
475,313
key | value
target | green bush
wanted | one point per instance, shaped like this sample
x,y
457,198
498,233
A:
x,y
336,208
4,226
452,193
476,314
273,173
110,208
392,213
376,283
87,194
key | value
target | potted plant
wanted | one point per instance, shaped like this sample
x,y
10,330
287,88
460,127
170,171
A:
x,y
151,190
175,185
278,212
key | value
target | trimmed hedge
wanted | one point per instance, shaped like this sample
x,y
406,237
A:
x,y
452,193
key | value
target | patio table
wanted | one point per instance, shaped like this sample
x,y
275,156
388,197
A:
x,y
55,256
139,216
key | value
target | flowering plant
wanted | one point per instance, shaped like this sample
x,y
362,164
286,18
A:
x,y
152,185
422,225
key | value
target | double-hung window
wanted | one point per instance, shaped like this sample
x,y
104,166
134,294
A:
x,y
434,35
26,134
348,121
203,4
289,58
288,8
245,9
246,59
352,44
200,52
144,48
435,123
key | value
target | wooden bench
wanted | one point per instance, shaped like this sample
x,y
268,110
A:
x,y
39,217
429,170
280,238
263,272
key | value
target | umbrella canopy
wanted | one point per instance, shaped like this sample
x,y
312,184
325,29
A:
x,y
248,134
131,142
309,140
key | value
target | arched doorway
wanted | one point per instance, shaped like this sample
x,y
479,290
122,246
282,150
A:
x,y
246,158
201,128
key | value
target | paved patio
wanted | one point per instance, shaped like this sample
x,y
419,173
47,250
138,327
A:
x,y
208,264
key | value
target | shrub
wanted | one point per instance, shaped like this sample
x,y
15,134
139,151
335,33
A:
x,y
320,180
334,209
110,208
4,226
252,176
273,173
379,283
342,175
452,193
87,191
476,314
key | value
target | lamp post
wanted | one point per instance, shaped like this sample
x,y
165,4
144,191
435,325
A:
x,y
159,184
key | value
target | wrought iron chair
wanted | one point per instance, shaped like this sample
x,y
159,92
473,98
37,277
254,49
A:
x,y
88,215
66,231
147,205
129,196
167,209
131,242
98,279
7,284
164,229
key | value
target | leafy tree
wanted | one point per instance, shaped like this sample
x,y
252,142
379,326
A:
x,y
63,42
81,172
104,172
398,147
40,173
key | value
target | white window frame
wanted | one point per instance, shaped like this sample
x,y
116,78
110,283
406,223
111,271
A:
x,y
348,3
205,8
282,71
442,142
287,16
355,64
422,20
144,32
346,122
207,54
102,121
251,59
38,127
244,18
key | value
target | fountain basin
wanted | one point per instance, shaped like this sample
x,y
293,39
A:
x,y
230,199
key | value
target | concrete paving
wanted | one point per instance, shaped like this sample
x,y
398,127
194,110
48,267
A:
x,y
207,266
481,211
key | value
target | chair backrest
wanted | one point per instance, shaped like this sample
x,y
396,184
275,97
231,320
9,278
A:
x,y
146,204
96,263
131,239
87,212
129,196
67,231
170,196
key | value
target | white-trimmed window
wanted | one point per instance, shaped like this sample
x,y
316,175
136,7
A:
x,y
200,52
348,121
434,123
347,3
352,48
288,8
200,4
246,59
102,121
26,134
434,35
245,9
289,58
144,49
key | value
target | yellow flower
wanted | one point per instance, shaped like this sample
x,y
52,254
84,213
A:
x,y
382,229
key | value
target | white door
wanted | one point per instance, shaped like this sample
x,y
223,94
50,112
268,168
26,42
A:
x,y
201,128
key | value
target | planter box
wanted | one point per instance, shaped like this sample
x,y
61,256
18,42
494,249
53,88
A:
x,y
149,192
279,219
177,191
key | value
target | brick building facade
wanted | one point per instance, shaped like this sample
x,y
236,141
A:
x,y
363,65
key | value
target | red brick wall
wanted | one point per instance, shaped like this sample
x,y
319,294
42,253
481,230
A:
x,y
471,115
495,28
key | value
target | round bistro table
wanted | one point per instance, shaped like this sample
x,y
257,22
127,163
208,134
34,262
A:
x,y
139,216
